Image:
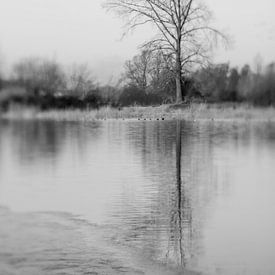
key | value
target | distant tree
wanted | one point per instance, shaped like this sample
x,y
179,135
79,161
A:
x,y
79,80
266,91
258,64
220,74
246,82
161,75
233,82
40,75
110,94
212,81
51,76
150,72
183,30
138,69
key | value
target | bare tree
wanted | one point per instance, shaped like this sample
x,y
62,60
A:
x,y
183,30
150,71
80,80
39,75
52,76
137,70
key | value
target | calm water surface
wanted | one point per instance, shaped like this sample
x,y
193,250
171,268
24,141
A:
x,y
129,197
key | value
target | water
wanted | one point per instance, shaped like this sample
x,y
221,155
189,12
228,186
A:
x,y
131,197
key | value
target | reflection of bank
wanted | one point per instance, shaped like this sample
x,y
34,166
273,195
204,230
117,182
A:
x,y
38,141
179,243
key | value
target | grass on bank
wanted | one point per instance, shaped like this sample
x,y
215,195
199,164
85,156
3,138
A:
x,y
193,111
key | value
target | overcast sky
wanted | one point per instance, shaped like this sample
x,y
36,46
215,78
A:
x,y
81,31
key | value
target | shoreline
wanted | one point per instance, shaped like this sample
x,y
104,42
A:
x,y
192,112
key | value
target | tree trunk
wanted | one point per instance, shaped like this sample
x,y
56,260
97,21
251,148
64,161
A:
x,y
178,78
178,89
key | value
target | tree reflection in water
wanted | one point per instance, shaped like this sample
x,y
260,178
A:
x,y
157,217
180,230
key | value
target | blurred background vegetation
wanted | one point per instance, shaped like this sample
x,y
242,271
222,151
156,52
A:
x,y
147,80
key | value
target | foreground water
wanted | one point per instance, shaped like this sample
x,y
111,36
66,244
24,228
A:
x,y
132,197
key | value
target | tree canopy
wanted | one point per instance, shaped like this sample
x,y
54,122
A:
x,y
183,30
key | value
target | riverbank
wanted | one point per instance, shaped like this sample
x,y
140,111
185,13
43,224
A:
x,y
164,112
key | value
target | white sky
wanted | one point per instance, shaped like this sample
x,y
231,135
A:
x,y
81,31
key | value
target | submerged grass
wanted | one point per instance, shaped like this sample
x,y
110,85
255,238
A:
x,y
164,112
